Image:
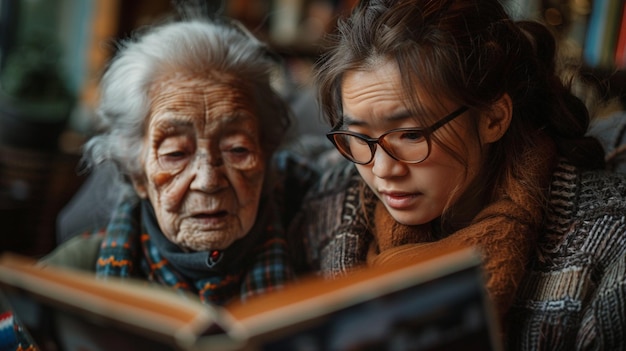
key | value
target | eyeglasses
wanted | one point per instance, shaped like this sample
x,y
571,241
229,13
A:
x,y
409,145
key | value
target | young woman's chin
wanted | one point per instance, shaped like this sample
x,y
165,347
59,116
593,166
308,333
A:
x,y
410,216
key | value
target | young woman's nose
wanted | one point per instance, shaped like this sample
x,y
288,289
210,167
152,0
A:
x,y
385,166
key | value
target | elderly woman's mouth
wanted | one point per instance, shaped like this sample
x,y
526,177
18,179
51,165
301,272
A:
x,y
209,220
212,215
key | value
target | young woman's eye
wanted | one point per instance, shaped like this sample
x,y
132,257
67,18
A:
x,y
357,140
412,136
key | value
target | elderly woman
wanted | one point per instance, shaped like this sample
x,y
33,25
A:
x,y
190,118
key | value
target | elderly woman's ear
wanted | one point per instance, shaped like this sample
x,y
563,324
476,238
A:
x,y
138,177
139,184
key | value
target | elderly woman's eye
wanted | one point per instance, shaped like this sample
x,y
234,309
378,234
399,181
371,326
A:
x,y
237,154
173,152
174,155
240,150
173,159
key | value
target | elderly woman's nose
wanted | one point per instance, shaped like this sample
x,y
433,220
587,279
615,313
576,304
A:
x,y
207,173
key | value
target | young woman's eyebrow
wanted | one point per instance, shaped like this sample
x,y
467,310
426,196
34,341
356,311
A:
x,y
348,120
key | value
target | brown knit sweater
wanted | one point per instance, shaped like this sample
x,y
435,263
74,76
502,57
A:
x,y
573,296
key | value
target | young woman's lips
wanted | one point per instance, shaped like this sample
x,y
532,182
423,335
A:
x,y
399,201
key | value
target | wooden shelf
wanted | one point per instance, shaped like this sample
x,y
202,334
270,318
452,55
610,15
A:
x,y
34,187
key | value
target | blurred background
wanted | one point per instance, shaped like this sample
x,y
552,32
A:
x,y
53,52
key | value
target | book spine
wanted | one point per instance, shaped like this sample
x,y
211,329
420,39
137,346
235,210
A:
x,y
620,51
599,49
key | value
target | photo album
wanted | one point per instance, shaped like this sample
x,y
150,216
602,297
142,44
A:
x,y
438,303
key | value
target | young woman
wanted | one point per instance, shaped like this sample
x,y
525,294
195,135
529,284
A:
x,y
462,134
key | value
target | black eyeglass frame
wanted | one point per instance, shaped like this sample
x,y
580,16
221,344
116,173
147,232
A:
x,y
372,142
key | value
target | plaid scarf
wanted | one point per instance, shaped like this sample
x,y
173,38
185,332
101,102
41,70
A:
x,y
253,265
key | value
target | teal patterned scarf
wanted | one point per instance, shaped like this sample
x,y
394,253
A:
x,y
134,246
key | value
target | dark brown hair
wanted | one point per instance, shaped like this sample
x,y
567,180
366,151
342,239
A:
x,y
469,51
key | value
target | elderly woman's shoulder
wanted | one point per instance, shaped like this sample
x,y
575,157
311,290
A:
x,y
79,252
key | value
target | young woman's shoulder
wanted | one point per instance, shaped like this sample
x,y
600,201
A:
x,y
576,276
587,193
330,220
586,214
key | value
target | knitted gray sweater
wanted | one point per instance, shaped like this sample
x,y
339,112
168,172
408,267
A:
x,y
574,294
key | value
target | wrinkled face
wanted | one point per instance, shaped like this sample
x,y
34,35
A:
x,y
412,193
204,166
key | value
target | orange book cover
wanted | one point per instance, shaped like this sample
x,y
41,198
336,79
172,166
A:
x,y
437,302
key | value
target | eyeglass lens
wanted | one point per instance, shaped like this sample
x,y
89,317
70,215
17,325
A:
x,y
404,145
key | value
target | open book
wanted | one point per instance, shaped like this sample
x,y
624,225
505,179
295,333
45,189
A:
x,y
438,303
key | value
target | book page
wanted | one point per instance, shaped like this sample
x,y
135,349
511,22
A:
x,y
436,302
145,309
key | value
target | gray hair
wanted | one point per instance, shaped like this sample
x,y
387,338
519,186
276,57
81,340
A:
x,y
191,47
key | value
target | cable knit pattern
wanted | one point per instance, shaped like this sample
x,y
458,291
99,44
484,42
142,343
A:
x,y
341,234
573,296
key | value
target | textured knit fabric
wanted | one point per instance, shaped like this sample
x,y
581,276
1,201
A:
x,y
573,296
